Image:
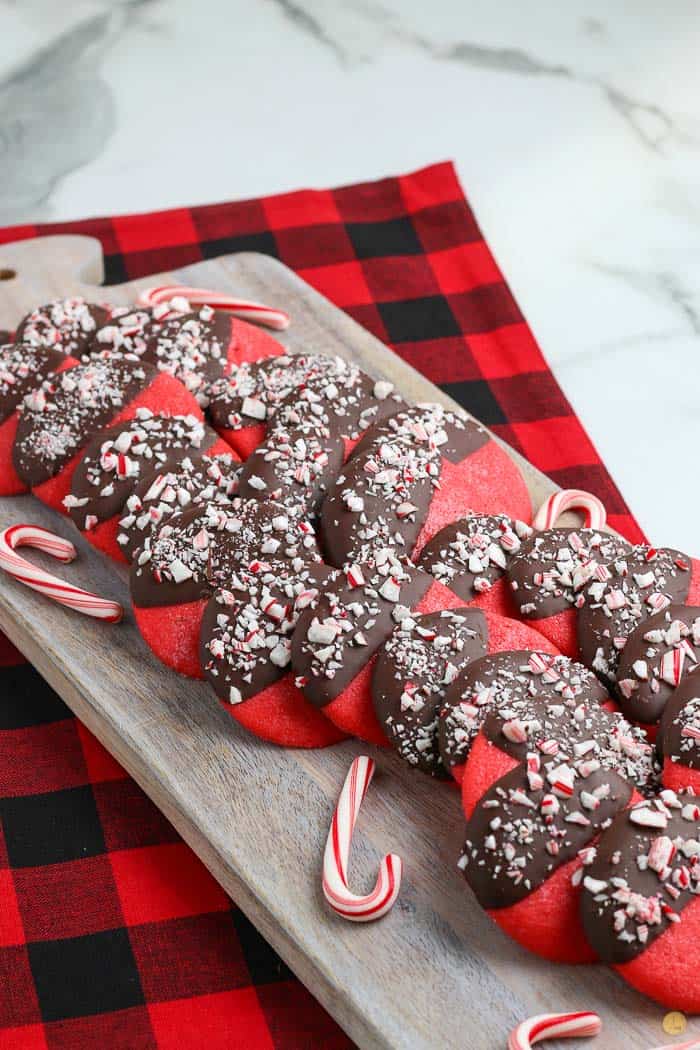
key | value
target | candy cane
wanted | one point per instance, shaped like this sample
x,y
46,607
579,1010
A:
x,y
335,858
250,311
694,1044
553,1026
42,581
571,499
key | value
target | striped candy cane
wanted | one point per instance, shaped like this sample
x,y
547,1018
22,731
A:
x,y
571,499
335,858
249,311
42,581
694,1044
553,1026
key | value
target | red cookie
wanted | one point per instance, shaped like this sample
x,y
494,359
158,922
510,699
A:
x,y
508,677
414,669
411,475
65,325
197,346
335,643
549,572
637,586
204,549
471,556
298,387
678,741
548,777
60,418
640,905
293,465
23,366
114,461
245,653
657,656
192,481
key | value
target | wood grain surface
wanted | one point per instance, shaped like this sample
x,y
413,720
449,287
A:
x,y
435,973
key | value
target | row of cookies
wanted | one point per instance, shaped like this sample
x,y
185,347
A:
x,y
290,581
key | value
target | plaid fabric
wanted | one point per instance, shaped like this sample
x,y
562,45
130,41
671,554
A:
x,y
111,931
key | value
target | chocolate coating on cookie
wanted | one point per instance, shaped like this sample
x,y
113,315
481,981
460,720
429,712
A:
x,y
210,547
579,732
550,570
355,613
66,325
192,346
345,398
58,418
506,683
473,553
295,466
128,331
518,836
194,480
116,458
645,873
23,366
245,642
382,497
414,668
640,584
679,731
301,387
659,653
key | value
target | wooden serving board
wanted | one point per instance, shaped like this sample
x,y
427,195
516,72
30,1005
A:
x,y
435,973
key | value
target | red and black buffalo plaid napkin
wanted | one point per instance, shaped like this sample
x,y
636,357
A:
x,y
112,934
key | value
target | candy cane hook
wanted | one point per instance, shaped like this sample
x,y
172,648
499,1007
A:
x,y
249,311
553,1026
571,499
40,580
335,858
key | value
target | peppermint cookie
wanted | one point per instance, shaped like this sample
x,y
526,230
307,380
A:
x,y
678,740
205,548
114,461
549,572
556,775
336,642
318,386
193,480
23,366
471,556
66,325
506,681
59,418
294,465
196,347
638,585
414,668
245,653
411,475
658,654
640,905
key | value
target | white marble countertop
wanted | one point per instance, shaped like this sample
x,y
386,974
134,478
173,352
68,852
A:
x,y
575,128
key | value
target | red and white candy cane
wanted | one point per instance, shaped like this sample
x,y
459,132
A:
x,y
42,581
554,1026
335,858
571,499
694,1044
249,311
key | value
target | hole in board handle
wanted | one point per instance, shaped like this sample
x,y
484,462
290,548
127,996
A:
x,y
6,274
